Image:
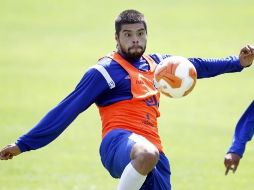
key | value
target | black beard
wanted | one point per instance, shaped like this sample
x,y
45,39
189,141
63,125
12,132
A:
x,y
132,56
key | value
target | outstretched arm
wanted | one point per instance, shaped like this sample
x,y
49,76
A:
x,y
58,119
243,133
210,67
216,66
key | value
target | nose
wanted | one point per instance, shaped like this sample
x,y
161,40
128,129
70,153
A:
x,y
135,39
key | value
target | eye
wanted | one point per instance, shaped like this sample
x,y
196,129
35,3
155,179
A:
x,y
141,33
126,34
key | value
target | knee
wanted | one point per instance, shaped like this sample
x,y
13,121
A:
x,y
149,158
144,158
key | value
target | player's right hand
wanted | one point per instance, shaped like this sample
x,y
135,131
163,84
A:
x,y
246,55
9,151
231,162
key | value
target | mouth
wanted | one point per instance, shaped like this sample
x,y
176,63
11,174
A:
x,y
135,47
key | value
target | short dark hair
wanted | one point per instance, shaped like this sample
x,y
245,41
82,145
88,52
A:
x,y
129,16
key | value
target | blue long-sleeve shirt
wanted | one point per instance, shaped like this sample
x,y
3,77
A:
x,y
244,131
93,88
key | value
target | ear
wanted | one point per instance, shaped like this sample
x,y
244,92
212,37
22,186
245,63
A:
x,y
116,37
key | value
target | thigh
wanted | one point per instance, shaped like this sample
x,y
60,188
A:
x,y
159,177
115,151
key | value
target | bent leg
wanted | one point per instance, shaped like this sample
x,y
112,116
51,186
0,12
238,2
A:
x,y
144,156
131,157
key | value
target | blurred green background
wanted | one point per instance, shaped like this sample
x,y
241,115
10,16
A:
x,y
45,48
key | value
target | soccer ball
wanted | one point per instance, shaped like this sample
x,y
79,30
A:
x,y
175,76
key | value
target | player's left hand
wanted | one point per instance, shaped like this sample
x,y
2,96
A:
x,y
231,162
246,55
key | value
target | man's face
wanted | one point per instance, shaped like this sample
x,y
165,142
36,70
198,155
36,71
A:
x,y
131,41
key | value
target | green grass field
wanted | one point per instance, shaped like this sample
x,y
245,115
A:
x,y
45,48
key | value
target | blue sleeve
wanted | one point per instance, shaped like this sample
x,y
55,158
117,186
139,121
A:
x,y
243,132
212,67
57,120
209,67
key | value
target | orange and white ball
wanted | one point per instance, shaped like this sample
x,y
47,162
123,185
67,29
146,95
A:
x,y
175,76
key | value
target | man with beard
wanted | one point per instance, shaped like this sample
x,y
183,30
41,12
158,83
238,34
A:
x,y
121,85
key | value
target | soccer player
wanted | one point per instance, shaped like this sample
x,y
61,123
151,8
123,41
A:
x,y
243,133
128,104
